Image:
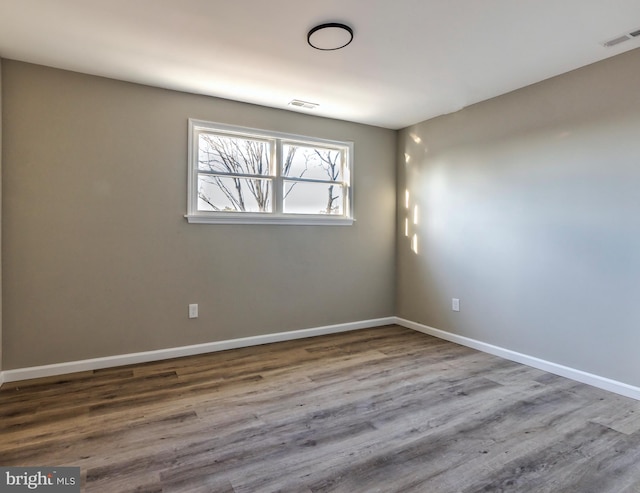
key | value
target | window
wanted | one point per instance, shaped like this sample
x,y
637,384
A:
x,y
241,175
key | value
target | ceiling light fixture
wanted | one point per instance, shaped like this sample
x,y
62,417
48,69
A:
x,y
330,36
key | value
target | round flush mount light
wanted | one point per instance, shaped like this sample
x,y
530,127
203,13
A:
x,y
331,36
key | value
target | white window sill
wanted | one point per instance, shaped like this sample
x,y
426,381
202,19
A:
x,y
292,220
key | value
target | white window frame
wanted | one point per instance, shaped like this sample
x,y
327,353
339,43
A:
x,y
277,216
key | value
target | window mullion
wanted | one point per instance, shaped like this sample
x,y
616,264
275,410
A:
x,y
311,180
232,175
278,188
344,171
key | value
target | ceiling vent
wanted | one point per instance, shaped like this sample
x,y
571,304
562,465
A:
x,y
621,39
303,104
616,41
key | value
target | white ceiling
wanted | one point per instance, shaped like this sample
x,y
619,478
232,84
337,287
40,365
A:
x,y
410,60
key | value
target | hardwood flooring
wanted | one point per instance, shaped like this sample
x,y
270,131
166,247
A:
x,y
376,410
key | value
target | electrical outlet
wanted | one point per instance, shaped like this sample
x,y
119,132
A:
x,y
455,304
193,310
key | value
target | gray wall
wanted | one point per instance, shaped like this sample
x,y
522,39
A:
x,y
1,216
99,260
529,212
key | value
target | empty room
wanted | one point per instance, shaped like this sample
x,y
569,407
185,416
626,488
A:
x,y
286,246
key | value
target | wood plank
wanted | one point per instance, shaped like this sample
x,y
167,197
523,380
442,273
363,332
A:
x,y
384,409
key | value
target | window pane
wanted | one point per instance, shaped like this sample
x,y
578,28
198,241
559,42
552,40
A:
x,y
312,198
311,162
223,193
233,155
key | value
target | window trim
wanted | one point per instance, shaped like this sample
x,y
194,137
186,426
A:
x,y
276,216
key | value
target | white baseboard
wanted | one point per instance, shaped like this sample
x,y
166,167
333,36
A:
x,y
210,347
177,352
564,371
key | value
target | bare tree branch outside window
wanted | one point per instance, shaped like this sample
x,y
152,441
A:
x,y
234,156
235,174
317,164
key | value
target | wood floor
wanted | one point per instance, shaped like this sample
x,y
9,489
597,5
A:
x,y
377,410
